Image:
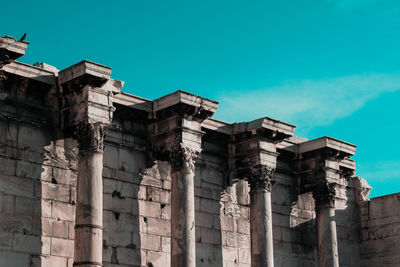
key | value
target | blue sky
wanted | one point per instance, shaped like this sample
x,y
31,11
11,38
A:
x,y
329,67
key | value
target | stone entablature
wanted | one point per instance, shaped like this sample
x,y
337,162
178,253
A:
x,y
114,179
11,49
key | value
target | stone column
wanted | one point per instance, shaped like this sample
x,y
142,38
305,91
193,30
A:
x,y
262,254
87,110
254,155
89,202
321,163
178,138
324,196
182,207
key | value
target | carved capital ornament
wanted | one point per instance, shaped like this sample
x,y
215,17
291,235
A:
x,y
90,136
259,177
183,157
324,194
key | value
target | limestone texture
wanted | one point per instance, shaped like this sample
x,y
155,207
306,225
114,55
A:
x,y
93,176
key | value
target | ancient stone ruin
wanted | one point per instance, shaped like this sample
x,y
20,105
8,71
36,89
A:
x,y
93,176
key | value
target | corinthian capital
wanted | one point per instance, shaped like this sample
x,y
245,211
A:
x,y
183,157
259,177
324,194
90,136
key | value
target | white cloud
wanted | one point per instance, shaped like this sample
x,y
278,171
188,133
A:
x,y
381,171
308,103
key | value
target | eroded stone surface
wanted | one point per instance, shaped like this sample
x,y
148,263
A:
x,y
160,183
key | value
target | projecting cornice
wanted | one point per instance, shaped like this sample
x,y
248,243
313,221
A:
x,y
146,105
30,72
12,45
84,68
217,126
184,102
134,102
11,49
265,123
344,148
348,164
185,98
265,127
88,93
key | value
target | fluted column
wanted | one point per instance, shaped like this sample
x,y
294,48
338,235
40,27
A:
x,y
324,196
182,205
262,254
89,202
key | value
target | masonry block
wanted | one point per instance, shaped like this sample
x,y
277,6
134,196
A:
x,y
129,256
113,238
6,240
62,247
28,206
159,227
27,243
59,229
52,261
16,186
150,242
149,209
56,192
7,166
204,219
158,258
8,258
62,211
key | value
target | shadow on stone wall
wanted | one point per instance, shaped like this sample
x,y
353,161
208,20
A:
x,y
208,224
348,224
347,218
122,225
37,177
20,198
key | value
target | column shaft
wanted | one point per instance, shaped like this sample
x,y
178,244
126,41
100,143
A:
x,y
262,251
89,210
327,237
261,228
182,223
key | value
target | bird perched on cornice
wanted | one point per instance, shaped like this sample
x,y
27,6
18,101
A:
x,y
23,37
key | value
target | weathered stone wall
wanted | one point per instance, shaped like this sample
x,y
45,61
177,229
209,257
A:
x,y
137,207
293,217
348,222
136,199
170,186
381,231
212,222
37,178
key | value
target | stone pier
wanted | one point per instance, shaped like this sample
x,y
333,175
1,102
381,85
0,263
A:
x,y
261,215
320,172
182,202
88,92
177,138
255,158
89,202
327,244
